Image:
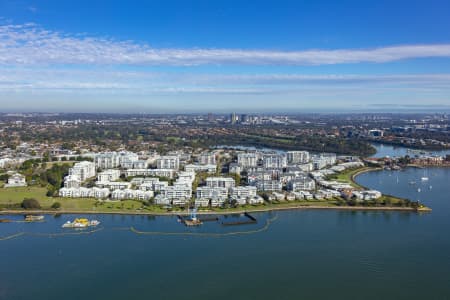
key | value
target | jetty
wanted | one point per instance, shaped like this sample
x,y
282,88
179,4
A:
x,y
250,220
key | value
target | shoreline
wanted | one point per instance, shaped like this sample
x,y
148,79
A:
x,y
273,207
184,213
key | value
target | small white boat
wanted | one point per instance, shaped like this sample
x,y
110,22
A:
x,y
31,218
424,179
94,223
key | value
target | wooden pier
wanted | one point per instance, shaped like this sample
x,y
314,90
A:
x,y
250,220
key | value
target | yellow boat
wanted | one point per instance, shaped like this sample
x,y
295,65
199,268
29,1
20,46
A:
x,y
80,223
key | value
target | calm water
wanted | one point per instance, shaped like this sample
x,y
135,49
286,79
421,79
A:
x,y
384,150
306,254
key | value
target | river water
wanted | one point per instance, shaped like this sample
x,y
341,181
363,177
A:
x,y
300,254
384,150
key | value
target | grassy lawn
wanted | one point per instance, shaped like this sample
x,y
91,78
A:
x,y
347,176
11,196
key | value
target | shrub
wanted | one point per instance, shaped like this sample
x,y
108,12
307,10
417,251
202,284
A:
x,y
30,203
56,205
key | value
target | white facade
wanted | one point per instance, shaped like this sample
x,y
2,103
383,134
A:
x,y
134,164
82,192
169,173
322,160
111,160
108,175
72,182
225,182
234,168
186,177
83,170
168,162
248,160
115,185
207,158
132,194
297,157
275,161
107,160
176,192
302,184
16,180
269,185
212,193
367,195
200,168
243,191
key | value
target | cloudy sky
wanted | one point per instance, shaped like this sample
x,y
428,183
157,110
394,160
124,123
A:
x,y
199,56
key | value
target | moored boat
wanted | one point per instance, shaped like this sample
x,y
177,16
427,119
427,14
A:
x,y
81,223
32,218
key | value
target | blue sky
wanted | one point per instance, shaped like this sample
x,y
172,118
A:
x,y
221,56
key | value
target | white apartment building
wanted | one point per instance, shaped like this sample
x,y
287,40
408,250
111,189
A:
x,y
134,164
247,160
99,193
113,185
298,157
269,185
234,168
218,202
160,185
161,200
132,195
274,161
16,180
258,176
322,160
243,191
107,160
186,177
111,160
83,170
225,182
205,192
72,182
207,158
168,162
169,173
202,202
366,195
302,184
108,175
176,192
211,169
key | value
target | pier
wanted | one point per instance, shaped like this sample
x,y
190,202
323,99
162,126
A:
x,y
250,220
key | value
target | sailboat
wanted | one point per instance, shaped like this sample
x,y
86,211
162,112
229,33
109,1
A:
x,y
425,177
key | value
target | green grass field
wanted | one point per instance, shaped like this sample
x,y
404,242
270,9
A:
x,y
12,196
347,176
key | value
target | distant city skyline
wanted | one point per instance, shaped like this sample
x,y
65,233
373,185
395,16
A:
x,y
177,56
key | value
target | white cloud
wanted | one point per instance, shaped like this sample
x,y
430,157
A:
x,y
53,81
29,44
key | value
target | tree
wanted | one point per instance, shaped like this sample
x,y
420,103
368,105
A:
x,y
56,205
30,203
